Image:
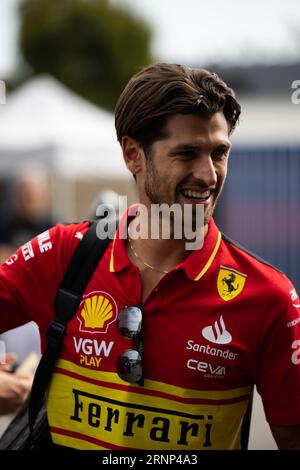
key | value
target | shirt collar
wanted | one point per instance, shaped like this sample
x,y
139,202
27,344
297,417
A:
x,y
118,257
200,260
195,265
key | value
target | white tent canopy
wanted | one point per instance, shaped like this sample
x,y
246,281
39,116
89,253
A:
x,y
44,121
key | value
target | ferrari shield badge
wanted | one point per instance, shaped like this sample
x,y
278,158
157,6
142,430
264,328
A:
x,y
230,283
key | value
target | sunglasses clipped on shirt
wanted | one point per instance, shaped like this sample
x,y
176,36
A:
x,y
129,364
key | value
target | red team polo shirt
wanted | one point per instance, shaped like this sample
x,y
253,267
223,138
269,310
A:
x,y
217,323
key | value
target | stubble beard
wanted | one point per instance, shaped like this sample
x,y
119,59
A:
x,y
153,184
155,191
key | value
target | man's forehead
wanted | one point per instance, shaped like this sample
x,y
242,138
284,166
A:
x,y
184,127
194,119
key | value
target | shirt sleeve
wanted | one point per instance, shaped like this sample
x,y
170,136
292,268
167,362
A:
x,y
29,279
278,371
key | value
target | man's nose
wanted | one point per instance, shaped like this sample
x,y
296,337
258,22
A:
x,y
204,171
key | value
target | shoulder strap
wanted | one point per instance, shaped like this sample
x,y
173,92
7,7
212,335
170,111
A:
x,y
82,265
245,432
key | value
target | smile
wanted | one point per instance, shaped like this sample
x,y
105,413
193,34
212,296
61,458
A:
x,y
197,195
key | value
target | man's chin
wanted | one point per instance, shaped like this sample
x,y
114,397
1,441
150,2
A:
x,y
195,215
208,213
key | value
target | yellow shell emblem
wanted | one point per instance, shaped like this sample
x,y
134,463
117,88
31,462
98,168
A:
x,y
230,283
96,311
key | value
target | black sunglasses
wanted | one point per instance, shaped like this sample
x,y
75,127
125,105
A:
x,y
130,362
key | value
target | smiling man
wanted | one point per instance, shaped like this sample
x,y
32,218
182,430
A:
x,y
167,343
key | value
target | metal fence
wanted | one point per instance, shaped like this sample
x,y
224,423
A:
x,y
260,206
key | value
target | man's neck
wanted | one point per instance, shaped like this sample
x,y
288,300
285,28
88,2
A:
x,y
159,252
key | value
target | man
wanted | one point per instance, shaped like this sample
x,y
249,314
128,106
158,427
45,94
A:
x,y
167,342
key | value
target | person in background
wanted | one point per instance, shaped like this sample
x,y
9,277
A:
x,y
30,212
30,215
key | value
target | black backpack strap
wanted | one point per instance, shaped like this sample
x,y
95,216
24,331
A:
x,y
247,422
82,265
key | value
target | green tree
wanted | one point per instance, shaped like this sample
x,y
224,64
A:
x,y
91,46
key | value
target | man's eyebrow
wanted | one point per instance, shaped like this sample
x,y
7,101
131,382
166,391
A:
x,y
196,147
223,145
185,148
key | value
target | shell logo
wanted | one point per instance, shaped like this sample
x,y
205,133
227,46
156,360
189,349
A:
x,y
97,313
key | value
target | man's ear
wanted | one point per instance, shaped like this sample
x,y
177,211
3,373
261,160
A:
x,y
132,153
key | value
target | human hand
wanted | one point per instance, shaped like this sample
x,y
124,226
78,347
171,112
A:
x,y
10,359
13,389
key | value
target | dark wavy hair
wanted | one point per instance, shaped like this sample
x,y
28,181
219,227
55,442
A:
x,y
161,90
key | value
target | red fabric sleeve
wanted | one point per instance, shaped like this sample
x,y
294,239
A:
x,y
29,279
278,372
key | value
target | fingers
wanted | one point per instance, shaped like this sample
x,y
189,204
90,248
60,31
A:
x,y
13,392
10,359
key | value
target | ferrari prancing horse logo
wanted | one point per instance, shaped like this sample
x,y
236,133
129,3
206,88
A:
x,y
230,283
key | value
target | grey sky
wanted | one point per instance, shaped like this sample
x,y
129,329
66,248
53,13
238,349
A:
x,y
8,35
198,31
223,30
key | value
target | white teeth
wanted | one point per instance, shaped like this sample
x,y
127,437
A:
x,y
196,194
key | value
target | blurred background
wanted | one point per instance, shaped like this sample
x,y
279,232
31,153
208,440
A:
x,y
65,62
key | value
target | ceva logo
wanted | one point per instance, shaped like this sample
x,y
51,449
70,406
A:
x,y
217,333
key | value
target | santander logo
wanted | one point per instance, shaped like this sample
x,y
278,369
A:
x,y
217,333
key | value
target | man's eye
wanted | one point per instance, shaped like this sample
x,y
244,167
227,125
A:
x,y
186,154
219,154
